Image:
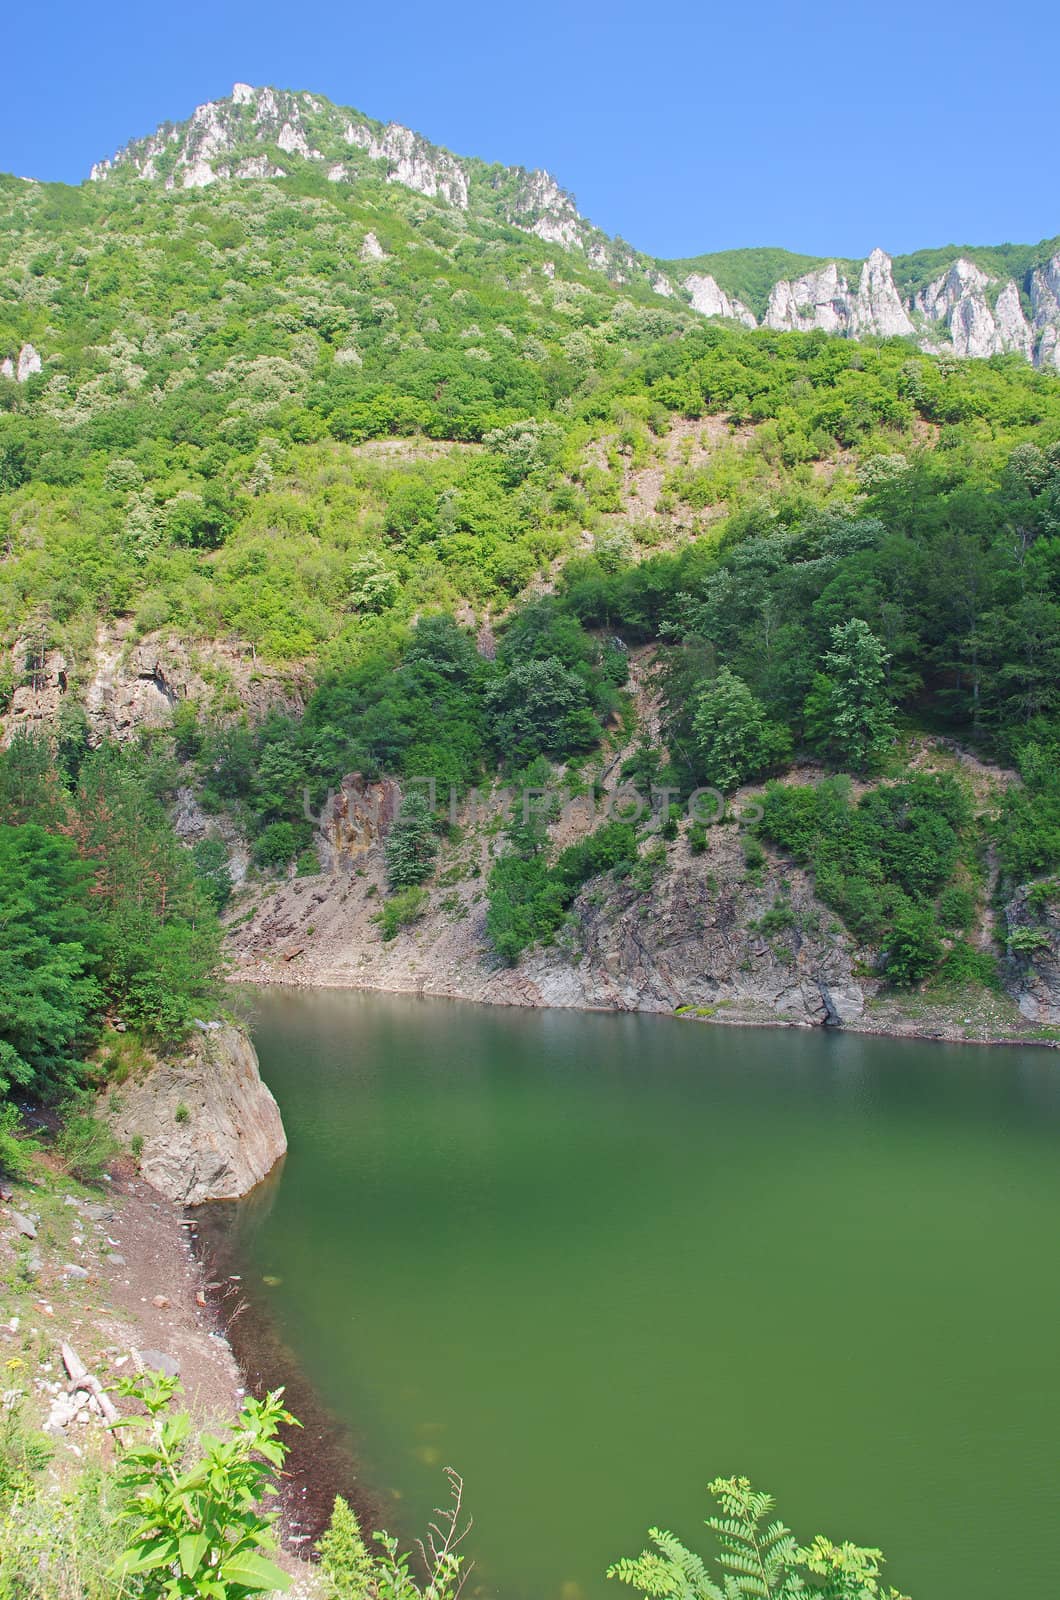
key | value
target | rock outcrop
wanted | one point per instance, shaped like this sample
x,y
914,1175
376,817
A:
x,y
694,936
210,1128
125,686
960,300
21,366
1032,966
825,299
711,301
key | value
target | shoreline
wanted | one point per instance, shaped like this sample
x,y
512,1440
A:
x,y
321,1461
942,1027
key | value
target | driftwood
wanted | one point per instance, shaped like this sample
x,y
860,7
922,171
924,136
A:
x,y
81,1378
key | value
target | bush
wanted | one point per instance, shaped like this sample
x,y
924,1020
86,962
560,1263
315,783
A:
x,y
401,910
275,846
16,1148
957,909
963,964
911,947
84,1146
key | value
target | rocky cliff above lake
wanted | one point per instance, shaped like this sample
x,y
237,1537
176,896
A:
x,y
210,1128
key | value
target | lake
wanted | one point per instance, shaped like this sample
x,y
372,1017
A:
x,y
593,1261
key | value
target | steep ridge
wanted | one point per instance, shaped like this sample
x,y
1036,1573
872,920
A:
x,y
255,133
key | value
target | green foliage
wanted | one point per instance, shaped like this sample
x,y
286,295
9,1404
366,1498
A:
x,y
49,951
1027,828
911,947
210,858
84,1146
105,914
16,1147
196,1530
880,861
758,1559
355,1574
527,898
401,910
23,1452
345,1557
847,713
411,844
733,738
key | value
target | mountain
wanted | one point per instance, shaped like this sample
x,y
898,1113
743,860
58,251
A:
x,y
976,302
271,133
330,459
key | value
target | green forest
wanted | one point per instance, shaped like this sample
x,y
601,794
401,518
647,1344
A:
x,y
246,428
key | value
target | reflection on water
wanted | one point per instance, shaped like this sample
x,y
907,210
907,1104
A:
x,y
592,1261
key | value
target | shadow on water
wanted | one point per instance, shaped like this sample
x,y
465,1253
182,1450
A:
x,y
321,1461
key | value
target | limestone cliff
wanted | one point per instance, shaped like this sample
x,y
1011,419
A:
x,y
965,310
825,299
210,1128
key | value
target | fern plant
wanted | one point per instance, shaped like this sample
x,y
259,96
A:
x,y
758,1559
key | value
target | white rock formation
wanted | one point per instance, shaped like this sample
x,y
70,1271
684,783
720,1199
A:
x,y
371,249
824,299
413,162
959,299
878,308
1044,291
22,366
710,300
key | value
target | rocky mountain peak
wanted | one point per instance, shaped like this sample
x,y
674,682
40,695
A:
x,y
262,133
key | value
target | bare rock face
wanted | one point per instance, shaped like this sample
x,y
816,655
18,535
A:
x,y
22,366
959,300
1032,970
210,1128
825,299
1044,292
356,819
710,300
701,942
125,687
413,161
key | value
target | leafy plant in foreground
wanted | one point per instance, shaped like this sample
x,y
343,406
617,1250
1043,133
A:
x,y
197,1532
356,1574
758,1559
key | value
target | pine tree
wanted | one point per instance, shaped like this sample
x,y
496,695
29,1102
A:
x,y
411,845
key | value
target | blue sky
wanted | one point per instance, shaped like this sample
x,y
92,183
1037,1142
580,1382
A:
x,y
826,127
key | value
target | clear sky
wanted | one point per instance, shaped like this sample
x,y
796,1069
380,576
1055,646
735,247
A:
x,y
827,127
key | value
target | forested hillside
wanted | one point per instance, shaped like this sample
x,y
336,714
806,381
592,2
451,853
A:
x,y
447,474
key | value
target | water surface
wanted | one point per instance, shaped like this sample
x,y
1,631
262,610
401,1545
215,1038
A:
x,y
593,1261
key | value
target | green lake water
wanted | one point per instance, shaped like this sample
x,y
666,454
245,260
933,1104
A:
x,y
593,1261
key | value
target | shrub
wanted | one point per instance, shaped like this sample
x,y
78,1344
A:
x,y
84,1146
956,908
400,910
275,846
16,1148
911,947
204,1524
